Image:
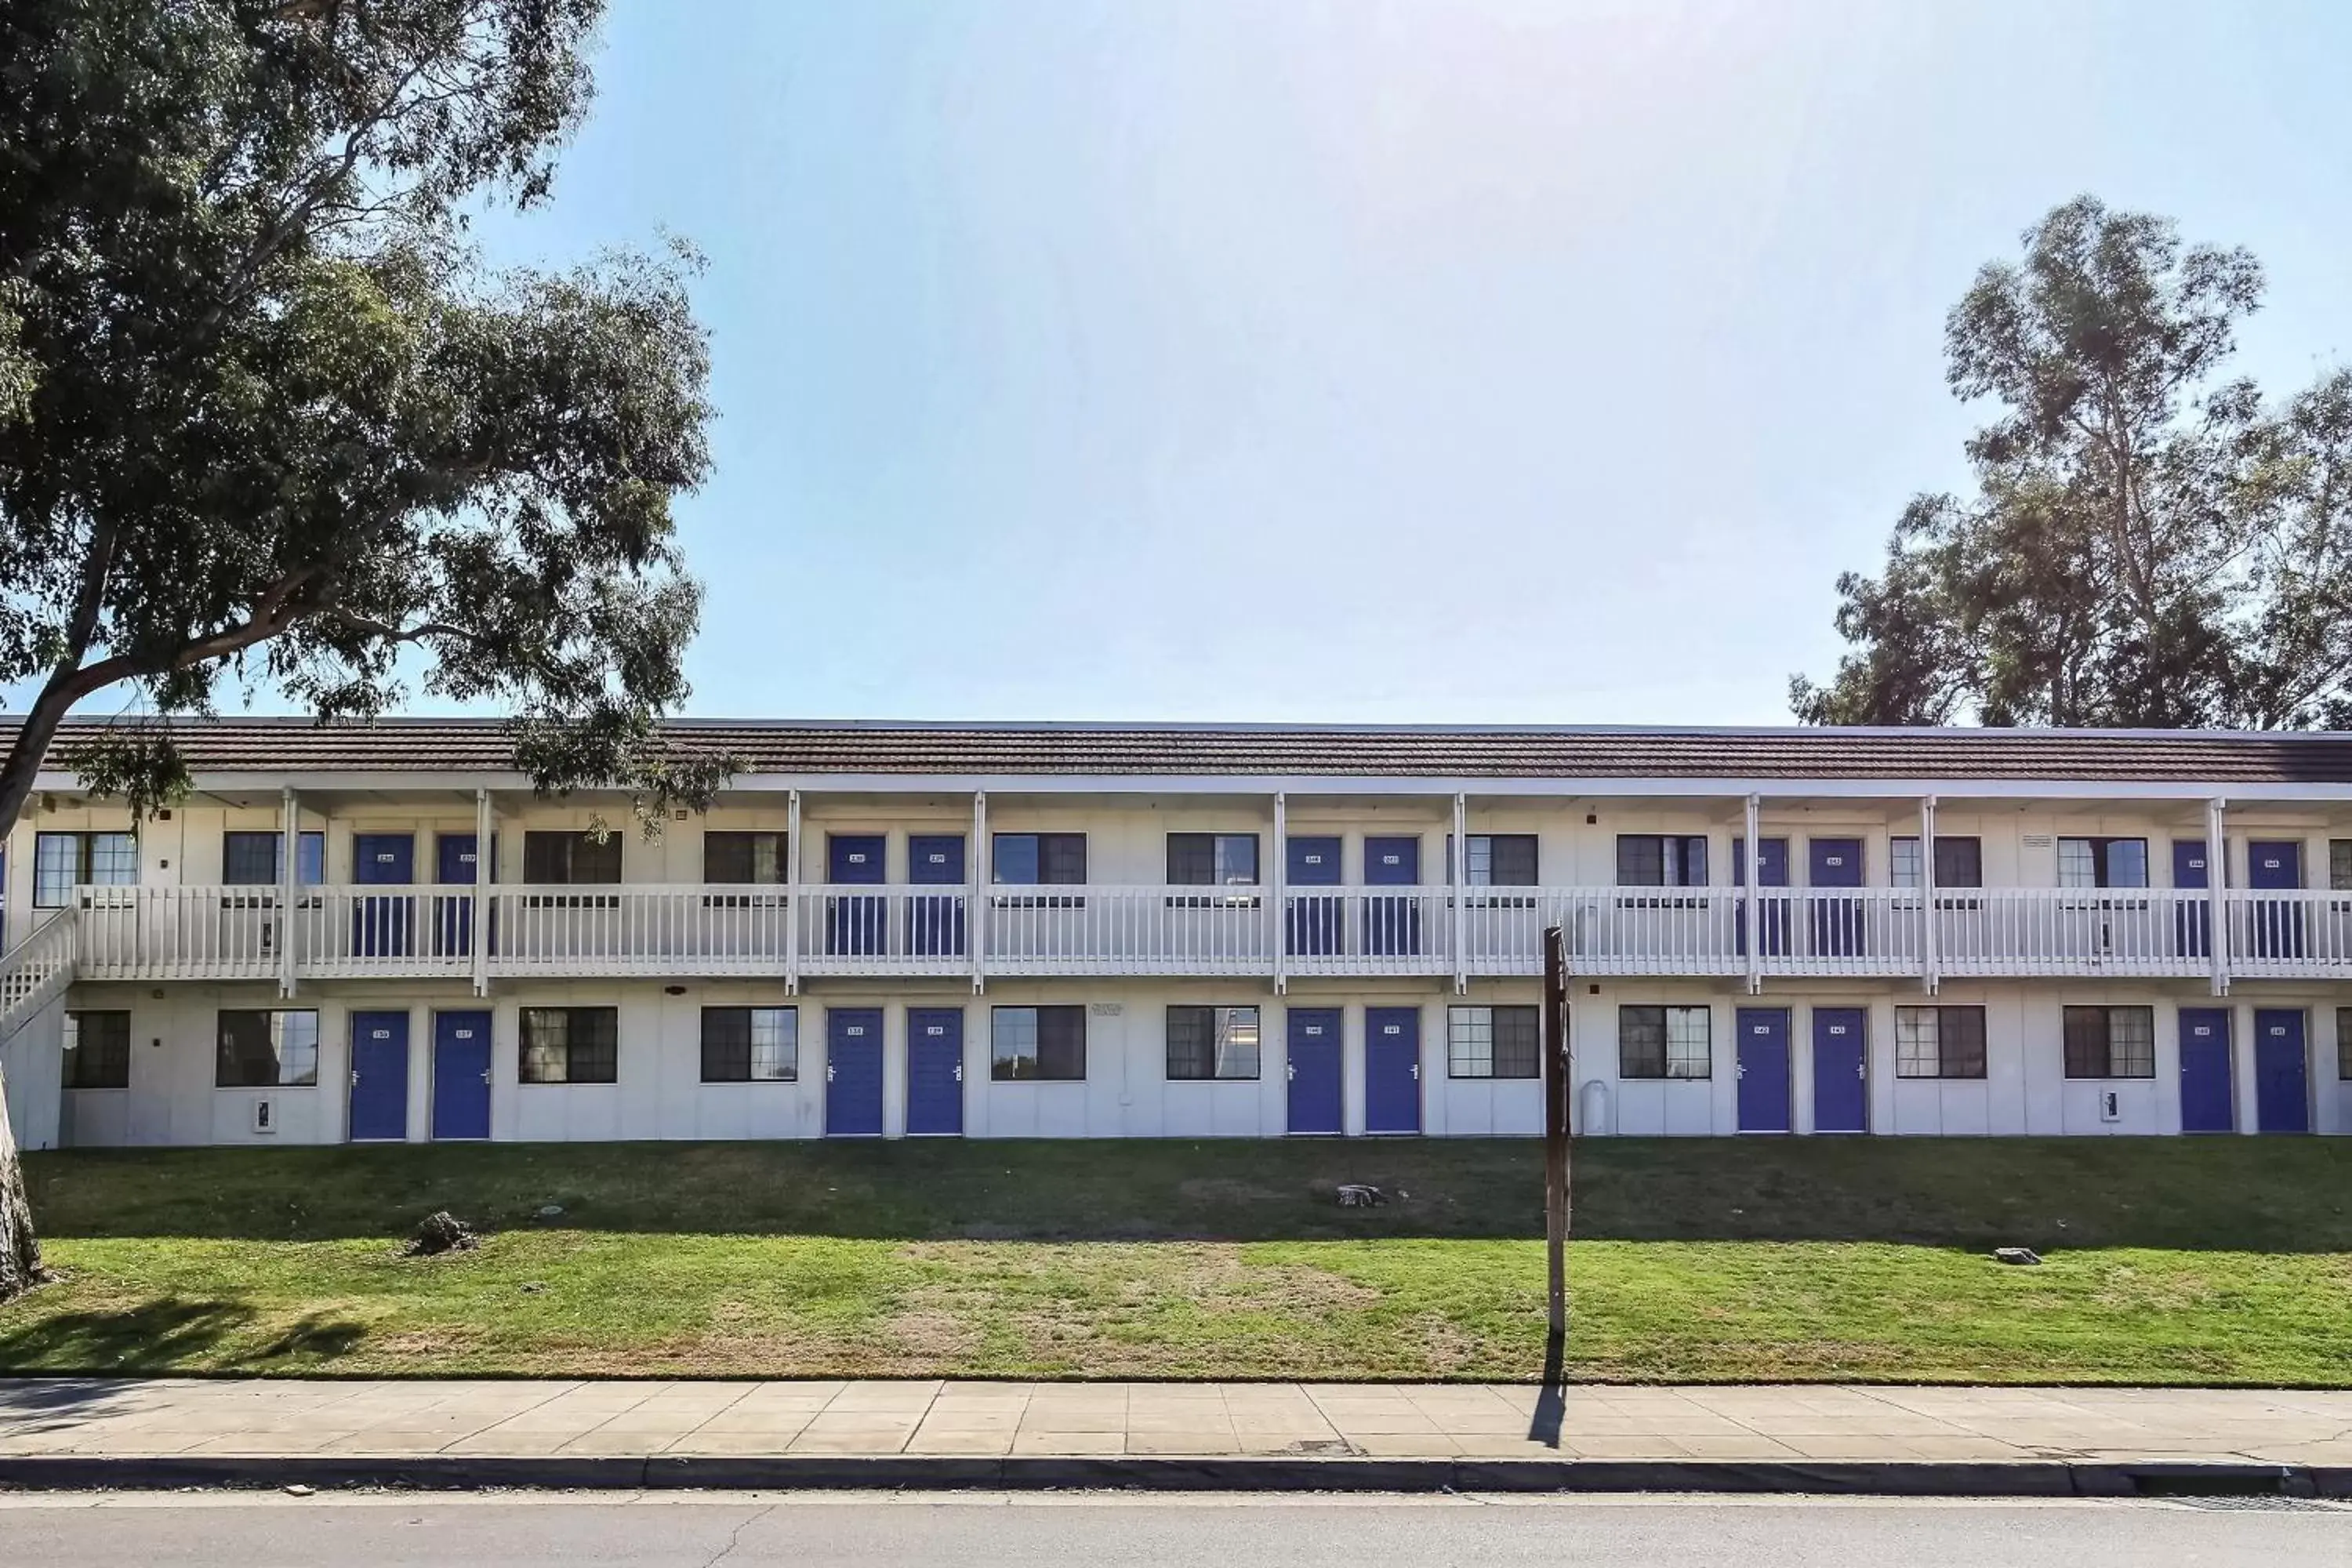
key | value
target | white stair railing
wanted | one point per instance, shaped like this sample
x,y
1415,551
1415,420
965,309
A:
x,y
35,970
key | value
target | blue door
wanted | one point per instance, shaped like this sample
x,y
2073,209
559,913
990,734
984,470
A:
x,y
935,920
935,1072
2192,924
853,1072
2205,1103
1772,914
1392,925
383,926
1314,1070
461,1074
1392,1070
2282,1084
1837,923
2275,866
453,913
1840,1072
379,1076
1763,1070
857,923
1314,925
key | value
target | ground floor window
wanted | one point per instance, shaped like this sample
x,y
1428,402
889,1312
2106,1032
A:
x,y
2110,1042
1491,1042
1665,1042
1213,1043
1038,1044
97,1050
1939,1042
750,1045
267,1049
570,1044
2344,1044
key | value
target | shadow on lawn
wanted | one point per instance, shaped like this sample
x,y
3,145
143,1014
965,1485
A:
x,y
2236,1194
164,1335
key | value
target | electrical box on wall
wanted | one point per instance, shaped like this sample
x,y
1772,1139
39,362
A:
x,y
265,1115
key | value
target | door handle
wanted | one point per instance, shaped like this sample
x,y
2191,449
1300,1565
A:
x,y
1291,1072
959,1073
486,1075
1416,1073
828,1072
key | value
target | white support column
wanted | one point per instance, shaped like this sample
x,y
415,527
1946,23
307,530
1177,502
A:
x,y
976,881
289,855
1461,870
1747,902
2217,882
1278,881
1931,975
485,827
793,894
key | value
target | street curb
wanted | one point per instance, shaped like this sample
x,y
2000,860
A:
x,y
908,1472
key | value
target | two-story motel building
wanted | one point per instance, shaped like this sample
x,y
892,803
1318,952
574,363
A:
x,y
1087,931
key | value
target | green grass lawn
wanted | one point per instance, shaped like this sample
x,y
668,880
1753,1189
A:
x,y
2224,1260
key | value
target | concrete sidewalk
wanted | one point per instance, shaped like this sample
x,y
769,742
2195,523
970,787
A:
x,y
271,1417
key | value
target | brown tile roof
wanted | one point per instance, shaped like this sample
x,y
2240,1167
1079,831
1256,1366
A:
x,y
270,746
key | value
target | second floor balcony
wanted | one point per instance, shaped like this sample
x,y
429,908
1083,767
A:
x,y
772,930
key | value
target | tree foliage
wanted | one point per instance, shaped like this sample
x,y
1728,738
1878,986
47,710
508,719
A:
x,y
2149,543
265,417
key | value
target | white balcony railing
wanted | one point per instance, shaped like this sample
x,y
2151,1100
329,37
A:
x,y
139,934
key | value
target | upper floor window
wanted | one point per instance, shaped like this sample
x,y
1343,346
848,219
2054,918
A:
x,y
253,860
1939,1042
97,1050
1661,860
1038,1044
1959,861
1499,860
750,1045
571,858
1211,859
63,860
2103,862
1031,860
754,856
2339,864
265,1049
570,1044
1665,1042
1492,1042
1213,1043
2110,1042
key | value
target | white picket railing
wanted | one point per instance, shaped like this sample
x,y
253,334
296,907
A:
x,y
138,933
35,970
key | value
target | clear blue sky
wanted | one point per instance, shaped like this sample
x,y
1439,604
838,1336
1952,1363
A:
x,y
1446,360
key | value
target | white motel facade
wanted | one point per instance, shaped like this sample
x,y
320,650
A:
x,y
886,929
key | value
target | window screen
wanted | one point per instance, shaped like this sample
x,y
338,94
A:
x,y
1959,861
732,857
97,1050
750,1045
1492,1042
1213,1043
1030,859
1661,860
1046,1044
1939,1042
570,1044
571,858
251,858
2103,862
1500,860
2110,1042
1211,859
262,1049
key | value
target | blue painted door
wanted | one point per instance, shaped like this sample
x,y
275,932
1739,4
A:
x,y
1392,925
1841,1070
461,1074
853,1072
935,920
2275,866
1837,923
855,923
379,1076
1392,1070
2206,1101
2282,1080
453,913
2192,924
1316,920
1763,1070
1772,914
383,926
1313,1069
935,1072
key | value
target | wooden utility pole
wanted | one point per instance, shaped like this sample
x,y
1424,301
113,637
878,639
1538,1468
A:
x,y
1556,1107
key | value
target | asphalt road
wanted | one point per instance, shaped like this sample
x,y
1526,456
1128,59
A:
x,y
704,1531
